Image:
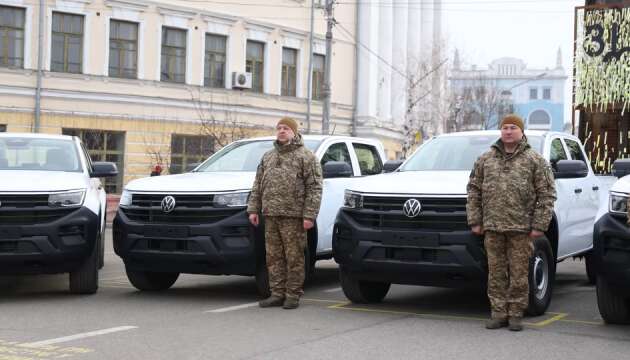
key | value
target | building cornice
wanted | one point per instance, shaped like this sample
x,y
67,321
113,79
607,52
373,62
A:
x,y
186,14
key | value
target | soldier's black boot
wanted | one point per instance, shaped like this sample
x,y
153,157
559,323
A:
x,y
515,324
273,300
496,323
291,303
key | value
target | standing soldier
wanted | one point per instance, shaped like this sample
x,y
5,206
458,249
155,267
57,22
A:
x,y
287,191
511,193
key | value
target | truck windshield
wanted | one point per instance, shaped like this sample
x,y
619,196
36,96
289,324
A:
x,y
456,152
243,156
33,154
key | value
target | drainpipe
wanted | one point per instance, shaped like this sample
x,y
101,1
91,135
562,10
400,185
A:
x,y
40,55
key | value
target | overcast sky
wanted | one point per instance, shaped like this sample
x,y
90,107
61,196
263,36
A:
x,y
532,30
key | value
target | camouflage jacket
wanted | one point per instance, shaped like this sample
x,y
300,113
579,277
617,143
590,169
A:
x,y
288,182
628,207
514,192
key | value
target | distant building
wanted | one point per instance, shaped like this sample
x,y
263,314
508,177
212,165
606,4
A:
x,y
507,85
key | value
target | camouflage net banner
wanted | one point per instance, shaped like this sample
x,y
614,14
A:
x,y
602,58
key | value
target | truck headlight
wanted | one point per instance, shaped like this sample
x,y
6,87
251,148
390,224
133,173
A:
x,y
618,203
231,199
352,200
125,199
70,198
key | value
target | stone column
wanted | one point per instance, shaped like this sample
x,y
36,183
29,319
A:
x,y
386,27
399,76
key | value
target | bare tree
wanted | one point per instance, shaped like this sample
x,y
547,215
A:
x,y
479,104
221,125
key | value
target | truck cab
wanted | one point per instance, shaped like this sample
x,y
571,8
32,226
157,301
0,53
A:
x,y
52,208
197,222
416,231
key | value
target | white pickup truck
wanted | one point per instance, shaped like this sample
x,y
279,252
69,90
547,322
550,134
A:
x,y
378,240
197,222
52,208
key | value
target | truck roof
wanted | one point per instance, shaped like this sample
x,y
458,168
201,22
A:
x,y
35,136
312,137
498,133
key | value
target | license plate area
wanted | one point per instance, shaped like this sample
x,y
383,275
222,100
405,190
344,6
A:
x,y
174,232
10,233
413,240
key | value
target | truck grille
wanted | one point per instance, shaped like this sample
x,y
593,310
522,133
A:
x,y
438,214
189,209
29,210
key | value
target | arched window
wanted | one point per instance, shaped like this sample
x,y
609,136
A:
x,y
539,120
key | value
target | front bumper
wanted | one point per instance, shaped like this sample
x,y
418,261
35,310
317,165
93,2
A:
x,y
226,247
416,257
54,247
611,251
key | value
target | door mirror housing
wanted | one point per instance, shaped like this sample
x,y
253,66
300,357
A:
x,y
103,169
570,169
392,165
337,169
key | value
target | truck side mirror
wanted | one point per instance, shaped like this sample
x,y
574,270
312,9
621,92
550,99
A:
x,y
392,165
621,168
570,169
336,169
103,169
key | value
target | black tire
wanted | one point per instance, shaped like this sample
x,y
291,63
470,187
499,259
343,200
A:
x,y
262,274
101,261
613,308
362,292
151,281
542,270
84,280
591,272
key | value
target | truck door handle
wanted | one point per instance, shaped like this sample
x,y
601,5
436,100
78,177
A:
x,y
595,188
578,190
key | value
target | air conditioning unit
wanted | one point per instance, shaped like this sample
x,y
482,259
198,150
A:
x,y
320,4
241,80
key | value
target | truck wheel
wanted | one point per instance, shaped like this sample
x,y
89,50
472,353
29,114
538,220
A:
x,y
262,274
84,280
613,308
542,271
151,281
591,273
362,292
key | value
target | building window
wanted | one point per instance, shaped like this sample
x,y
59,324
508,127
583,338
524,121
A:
x,y
67,43
255,64
123,49
319,62
533,93
188,151
104,146
539,120
215,61
3,128
173,55
289,72
11,37
546,94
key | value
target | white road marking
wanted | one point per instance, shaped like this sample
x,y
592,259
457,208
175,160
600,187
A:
x,y
79,336
332,290
232,308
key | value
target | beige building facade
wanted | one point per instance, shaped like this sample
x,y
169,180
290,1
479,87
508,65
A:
x,y
147,82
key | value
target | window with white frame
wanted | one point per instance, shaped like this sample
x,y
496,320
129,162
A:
x,y
123,49
319,63
533,93
255,64
3,128
289,72
547,94
539,120
12,37
173,65
67,43
215,61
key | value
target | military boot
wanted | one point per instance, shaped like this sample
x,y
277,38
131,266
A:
x,y
515,324
291,303
496,323
273,300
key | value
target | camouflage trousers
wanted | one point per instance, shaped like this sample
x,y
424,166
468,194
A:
x,y
285,241
508,268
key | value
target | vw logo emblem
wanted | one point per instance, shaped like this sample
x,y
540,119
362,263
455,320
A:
x,y
412,208
168,204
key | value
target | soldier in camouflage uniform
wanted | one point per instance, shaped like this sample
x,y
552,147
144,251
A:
x,y
287,191
511,193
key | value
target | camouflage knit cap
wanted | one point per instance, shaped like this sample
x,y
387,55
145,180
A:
x,y
290,123
513,119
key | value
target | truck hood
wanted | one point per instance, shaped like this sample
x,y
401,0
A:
x,y
194,182
622,185
41,181
415,182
